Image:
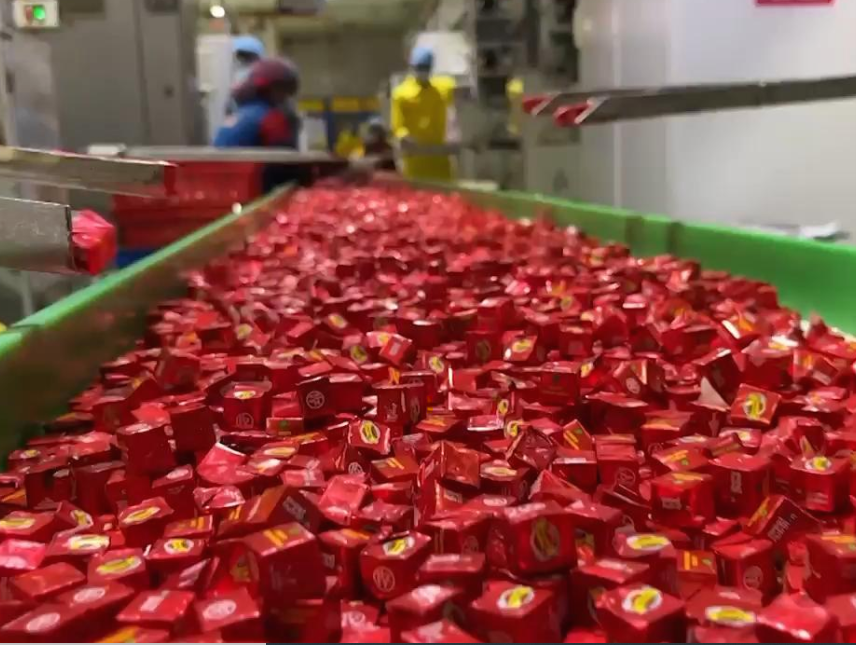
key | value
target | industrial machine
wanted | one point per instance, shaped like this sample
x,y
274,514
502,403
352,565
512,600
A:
x,y
122,71
550,156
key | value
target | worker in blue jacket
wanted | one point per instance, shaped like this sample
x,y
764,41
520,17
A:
x,y
265,116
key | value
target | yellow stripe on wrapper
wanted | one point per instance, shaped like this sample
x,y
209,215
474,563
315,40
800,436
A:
x,y
277,537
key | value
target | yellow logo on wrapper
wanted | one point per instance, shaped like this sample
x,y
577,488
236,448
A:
x,y
243,331
19,523
545,539
399,546
686,477
369,432
123,565
730,616
81,518
436,364
32,453
557,288
337,321
755,405
516,597
521,346
502,407
141,515
512,429
88,542
642,601
178,545
243,395
281,451
648,542
743,323
586,368
819,464
500,471
358,354
779,345
124,635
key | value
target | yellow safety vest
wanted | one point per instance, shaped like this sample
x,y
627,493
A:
x,y
420,112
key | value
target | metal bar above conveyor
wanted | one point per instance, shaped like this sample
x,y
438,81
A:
x,y
589,108
208,153
546,104
35,236
87,172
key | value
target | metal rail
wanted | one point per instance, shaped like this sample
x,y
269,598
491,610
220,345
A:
x,y
576,109
87,172
35,236
208,153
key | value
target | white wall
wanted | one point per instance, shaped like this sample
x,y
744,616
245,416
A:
x,y
355,63
788,165
623,45
781,165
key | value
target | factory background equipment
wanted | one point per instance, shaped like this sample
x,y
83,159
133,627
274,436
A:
x,y
123,71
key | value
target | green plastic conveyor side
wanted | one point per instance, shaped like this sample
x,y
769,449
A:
x,y
810,276
49,357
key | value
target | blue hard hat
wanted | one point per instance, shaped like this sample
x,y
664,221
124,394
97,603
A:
x,y
422,56
248,45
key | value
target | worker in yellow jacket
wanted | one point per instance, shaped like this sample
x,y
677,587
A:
x,y
419,113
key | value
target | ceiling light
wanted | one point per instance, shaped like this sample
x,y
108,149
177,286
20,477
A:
x,y
217,11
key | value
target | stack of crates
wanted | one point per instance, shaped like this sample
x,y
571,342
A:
x,y
204,191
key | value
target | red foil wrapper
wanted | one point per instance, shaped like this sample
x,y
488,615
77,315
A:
x,y
533,538
93,243
795,618
389,568
641,614
748,565
515,613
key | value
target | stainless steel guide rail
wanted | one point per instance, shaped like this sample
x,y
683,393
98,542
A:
x,y
86,172
36,235
579,108
209,153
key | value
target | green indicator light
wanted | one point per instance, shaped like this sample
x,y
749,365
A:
x,y
40,13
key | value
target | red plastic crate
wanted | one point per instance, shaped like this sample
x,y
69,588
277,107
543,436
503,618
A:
x,y
156,235
204,191
200,183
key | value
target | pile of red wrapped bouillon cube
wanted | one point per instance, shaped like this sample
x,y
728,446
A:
x,y
394,415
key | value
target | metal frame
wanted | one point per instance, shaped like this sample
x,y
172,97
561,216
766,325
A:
x,y
576,109
36,235
209,153
86,172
